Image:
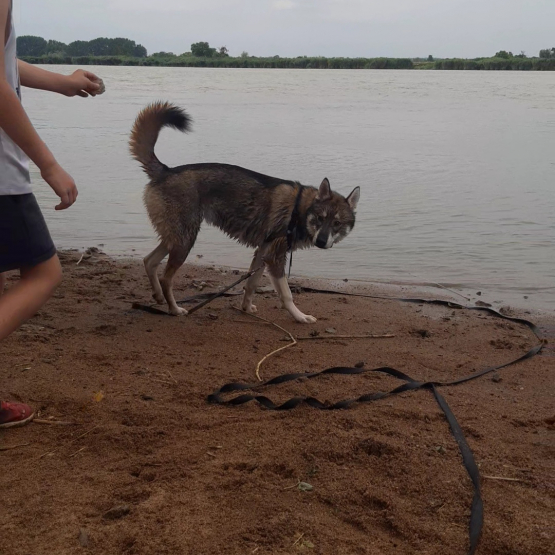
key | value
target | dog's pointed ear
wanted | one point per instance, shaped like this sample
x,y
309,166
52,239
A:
x,y
324,193
353,198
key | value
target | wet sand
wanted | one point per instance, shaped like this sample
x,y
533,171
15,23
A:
x,y
147,466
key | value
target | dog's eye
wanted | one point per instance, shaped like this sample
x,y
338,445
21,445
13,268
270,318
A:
x,y
336,224
318,219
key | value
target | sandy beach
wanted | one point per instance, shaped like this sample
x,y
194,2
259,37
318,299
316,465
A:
x,y
129,458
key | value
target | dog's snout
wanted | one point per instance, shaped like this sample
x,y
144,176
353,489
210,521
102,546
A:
x,y
321,241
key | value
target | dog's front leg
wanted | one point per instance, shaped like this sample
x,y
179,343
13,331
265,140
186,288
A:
x,y
275,260
252,282
282,287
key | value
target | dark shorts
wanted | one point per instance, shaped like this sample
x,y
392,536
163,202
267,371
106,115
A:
x,y
24,238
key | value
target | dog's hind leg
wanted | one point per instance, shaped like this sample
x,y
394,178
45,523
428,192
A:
x,y
178,254
279,281
252,282
151,262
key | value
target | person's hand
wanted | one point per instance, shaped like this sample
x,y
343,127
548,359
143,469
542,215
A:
x,y
82,83
62,184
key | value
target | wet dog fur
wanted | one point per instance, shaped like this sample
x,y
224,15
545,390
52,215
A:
x,y
250,207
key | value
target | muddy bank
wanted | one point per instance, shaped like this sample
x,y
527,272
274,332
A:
x,y
148,467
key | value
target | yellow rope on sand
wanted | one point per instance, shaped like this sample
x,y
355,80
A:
x,y
293,340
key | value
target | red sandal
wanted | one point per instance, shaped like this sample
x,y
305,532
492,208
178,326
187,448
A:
x,y
15,414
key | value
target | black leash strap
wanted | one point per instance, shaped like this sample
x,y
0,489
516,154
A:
x,y
204,297
293,227
222,291
477,509
477,506
440,302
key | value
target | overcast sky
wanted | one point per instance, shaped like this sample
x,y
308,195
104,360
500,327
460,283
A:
x,y
367,28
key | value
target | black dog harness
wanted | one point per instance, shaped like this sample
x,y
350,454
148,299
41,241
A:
x,y
293,227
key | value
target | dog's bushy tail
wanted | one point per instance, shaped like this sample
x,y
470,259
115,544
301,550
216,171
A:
x,y
146,129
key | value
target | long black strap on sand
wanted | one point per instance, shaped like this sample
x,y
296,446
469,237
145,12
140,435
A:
x,y
410,384
477,509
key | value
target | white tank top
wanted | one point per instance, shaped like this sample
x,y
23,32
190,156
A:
x,y
14,164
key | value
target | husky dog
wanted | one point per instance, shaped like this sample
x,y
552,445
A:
x,y
272,215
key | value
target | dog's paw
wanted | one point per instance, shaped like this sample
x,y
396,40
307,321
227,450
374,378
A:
x,y
158,299
250,308
305,318
179,311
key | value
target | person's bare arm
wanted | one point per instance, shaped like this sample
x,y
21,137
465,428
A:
x,y
80,82
16,124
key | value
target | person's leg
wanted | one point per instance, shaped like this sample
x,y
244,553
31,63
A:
x,y
28,247
18,304
21,302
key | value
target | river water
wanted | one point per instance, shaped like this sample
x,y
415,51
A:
x,y
456,169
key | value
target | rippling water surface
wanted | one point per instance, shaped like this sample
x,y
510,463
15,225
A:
x,y
456,168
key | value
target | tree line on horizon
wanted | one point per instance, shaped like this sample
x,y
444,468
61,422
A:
x,y
122,51
28,45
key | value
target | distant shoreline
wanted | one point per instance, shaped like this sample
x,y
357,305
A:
x,y
304,62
